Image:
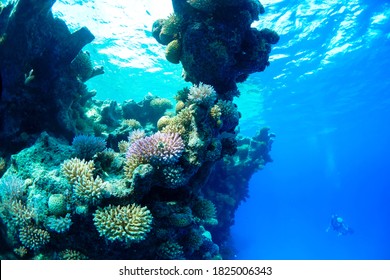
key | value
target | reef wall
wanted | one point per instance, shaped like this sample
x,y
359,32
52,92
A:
x,y
42,73
84,178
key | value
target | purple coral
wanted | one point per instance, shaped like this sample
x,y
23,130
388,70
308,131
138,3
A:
x,y
160,148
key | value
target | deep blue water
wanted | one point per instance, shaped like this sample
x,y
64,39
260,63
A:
x,y
326,96
331,155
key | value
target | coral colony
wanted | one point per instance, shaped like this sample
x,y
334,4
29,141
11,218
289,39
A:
x,y
88,179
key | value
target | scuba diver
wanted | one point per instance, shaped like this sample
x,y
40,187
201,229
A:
x,y
337,224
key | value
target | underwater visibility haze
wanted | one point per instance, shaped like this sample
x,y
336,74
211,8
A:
x,y
194,129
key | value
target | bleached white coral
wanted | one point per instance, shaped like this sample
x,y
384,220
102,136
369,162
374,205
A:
x,y
202,95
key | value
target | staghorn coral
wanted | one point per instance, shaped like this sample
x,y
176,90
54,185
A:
x,y
130,223
79,174
33,238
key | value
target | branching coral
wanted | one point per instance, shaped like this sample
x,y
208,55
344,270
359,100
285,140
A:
x,y
69,254
160,148
80,176
20,214
74,169
129,223
205,210
170,251
202,95
33,238
89,190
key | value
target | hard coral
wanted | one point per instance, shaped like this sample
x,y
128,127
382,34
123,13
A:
x,y
87,146
33,238
129,223
160,148
74,169
202,95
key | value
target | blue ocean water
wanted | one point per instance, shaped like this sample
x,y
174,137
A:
x,y
325,95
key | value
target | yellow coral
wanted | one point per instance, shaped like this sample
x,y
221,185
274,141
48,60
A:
x,y
21,251
131,164
132,123
79,174
170,29
161,104
89,190
123,146
74,169
2,164
179,106
215,112
163,122
21,215
173,52
69,254
129,223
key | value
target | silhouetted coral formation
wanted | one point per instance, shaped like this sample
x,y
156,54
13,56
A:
x,y
214,41
36,54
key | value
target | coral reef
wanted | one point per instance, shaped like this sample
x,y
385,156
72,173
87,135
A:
x,y
89,179
38,78
214,41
